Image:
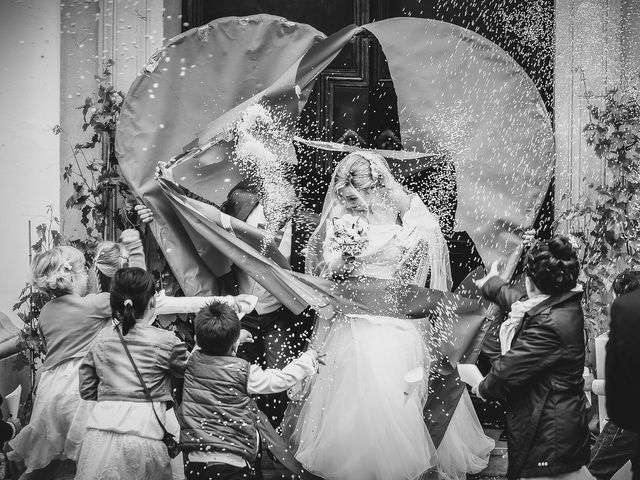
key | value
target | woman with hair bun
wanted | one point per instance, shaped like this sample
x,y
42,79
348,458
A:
x,y
127,424
539,373
109,257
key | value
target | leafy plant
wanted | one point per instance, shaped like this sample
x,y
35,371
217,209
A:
x,y
99,191
606,221
106,204
32,350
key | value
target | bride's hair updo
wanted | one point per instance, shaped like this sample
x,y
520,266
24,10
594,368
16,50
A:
x,y
355,171
553,265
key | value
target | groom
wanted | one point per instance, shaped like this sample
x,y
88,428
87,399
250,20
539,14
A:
x,y
276,331
278,334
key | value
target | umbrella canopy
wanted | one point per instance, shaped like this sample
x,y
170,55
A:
x,y
459,95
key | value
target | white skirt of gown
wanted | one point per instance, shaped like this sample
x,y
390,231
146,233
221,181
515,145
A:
x,y
357,423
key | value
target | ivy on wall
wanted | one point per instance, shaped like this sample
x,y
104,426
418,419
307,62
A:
x,y
606,221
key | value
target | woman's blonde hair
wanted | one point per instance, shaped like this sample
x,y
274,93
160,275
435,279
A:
x,y
52,271
355,171
109,258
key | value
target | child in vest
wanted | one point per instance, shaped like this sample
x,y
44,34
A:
x,y
217,415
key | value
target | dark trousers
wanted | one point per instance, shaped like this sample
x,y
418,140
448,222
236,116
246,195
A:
x,y
276,343
614,447
217,471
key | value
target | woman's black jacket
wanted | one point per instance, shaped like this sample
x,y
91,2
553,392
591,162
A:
x,y
541,380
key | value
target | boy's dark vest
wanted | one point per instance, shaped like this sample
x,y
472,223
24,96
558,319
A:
x,y
217,414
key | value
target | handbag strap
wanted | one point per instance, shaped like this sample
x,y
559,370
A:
x,y
144,385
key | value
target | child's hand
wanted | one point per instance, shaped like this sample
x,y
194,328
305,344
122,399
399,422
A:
x,y
317,357
145,213
244,303
528,237
130,235
474,390
493,272
245,337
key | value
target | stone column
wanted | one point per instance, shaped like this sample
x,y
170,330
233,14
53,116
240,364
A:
x,y
78,66
588,63
631,41
127,31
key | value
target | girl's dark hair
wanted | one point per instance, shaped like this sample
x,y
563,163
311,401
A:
x,y
131,290
553,265
626,282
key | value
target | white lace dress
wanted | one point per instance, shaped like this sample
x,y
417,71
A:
x,y
123,441
357,423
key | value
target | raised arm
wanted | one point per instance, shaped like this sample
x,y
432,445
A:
x,y
536,349
274,381
131,240
501,293
243,304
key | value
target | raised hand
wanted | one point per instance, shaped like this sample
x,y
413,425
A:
x,y
144,212
317,356
246,337
528,237
244,302
340,268
493,272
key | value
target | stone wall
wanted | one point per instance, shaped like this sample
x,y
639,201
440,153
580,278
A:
x,y
597,48
127,31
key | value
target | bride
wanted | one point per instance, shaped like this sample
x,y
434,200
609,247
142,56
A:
x,y
361,418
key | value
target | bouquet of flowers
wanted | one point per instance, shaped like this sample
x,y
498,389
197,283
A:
x,y
349,235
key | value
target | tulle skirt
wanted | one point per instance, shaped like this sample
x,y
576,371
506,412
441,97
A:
x,y
58,420
359,419
356,422
464,449
109,455
123,441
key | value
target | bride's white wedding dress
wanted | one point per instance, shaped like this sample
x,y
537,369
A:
x,y
357,422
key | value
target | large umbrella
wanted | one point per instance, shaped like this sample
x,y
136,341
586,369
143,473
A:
x,y
458,95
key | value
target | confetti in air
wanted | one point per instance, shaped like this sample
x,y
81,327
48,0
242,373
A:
x,y
262,150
